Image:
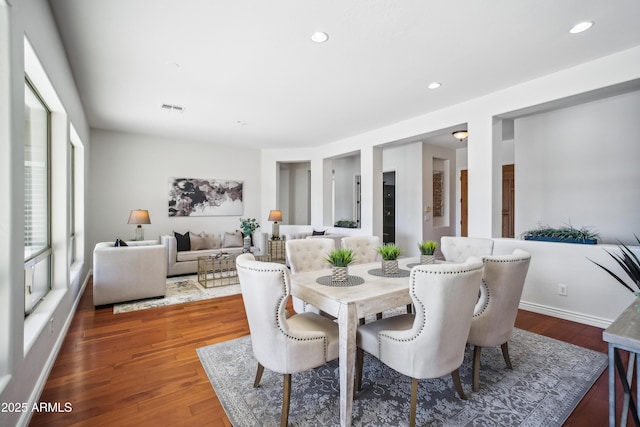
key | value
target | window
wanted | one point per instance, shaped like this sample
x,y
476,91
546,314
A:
x,y
37,233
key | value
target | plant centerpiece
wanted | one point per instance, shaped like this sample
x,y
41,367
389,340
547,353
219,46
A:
x,y
389,253
427,251
340,260
630,264
566,234
346,223
248,226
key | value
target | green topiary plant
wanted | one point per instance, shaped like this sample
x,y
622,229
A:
x,y
428,248
389,251
567,233
340,257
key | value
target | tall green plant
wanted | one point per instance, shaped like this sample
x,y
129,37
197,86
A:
x,y
428,248
389,251
629,263
340,257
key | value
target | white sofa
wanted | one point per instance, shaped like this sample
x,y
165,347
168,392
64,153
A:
x,y
127,273
186,261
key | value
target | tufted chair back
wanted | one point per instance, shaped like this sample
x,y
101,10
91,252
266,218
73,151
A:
x,y
285,345
444,296
365,248
309,254
265,288
458,249
495,312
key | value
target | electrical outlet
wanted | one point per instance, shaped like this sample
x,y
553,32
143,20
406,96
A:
x,y
563,289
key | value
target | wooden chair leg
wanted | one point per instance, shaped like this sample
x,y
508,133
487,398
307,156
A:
x,y
476,367
259,372
505,354
414,402
409,308
359,366
286,397
455,376
378,316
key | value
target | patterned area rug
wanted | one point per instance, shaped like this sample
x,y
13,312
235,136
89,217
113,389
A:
x,y
179,290
549,378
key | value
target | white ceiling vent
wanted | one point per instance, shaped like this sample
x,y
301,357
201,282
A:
x,y
172,108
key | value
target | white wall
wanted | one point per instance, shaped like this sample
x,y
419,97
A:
x,y
486,152
28,347
579,165
132,172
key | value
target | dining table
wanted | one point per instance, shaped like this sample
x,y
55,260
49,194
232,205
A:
x,y
368,291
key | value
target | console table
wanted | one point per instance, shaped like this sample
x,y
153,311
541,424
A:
x,y
624,334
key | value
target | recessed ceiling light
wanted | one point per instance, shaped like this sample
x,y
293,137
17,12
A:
x,y
319,37
434,85
580,27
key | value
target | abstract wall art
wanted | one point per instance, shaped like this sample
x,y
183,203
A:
x,y
204,197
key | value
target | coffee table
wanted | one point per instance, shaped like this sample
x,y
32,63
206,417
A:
x,y
217,271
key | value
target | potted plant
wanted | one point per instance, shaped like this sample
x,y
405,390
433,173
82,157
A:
x,y
340,260
566,234
629,263
346,223
427,251
248,226
389,253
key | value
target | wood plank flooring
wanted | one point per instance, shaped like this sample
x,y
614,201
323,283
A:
x,y
141,368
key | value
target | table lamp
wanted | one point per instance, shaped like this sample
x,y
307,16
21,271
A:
x,y
275,216
139,217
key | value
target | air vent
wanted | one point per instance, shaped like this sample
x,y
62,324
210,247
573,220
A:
x,y
174,108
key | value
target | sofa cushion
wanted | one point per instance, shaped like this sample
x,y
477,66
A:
x,y
120,242
213,240
198,241
232,240
318,233
183,241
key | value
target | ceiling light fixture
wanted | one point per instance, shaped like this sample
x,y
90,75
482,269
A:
x,y
460,135
580,27
434,85
319,37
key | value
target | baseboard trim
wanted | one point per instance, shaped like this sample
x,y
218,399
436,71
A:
x,y
598,322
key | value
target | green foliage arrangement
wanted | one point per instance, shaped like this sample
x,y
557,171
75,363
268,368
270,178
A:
x,y
563,233
346,223
428,248
340,257
248,226
389,251
629,263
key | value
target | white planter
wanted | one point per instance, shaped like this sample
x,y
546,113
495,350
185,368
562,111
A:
x,y
427,259
390,266
339,274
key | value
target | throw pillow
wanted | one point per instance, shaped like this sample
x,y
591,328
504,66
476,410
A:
x,y
318,233
184,243
120,242
198,242
213,240
232,240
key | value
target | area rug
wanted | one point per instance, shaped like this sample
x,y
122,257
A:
x,y
548,379
179,290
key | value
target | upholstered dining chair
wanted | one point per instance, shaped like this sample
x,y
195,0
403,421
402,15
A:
x,y
365,248
458,249
431,342
286,345
495,312
308,255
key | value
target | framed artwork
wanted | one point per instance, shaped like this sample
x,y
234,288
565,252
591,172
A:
x,y
204,197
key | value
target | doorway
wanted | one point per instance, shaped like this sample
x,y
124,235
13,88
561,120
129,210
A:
x,y
389,207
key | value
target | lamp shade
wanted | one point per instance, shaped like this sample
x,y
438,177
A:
x,y
139,216
275,215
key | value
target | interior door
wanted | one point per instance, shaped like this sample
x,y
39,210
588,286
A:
x,y
464,216
508,205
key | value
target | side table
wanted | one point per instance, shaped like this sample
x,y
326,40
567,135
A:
x,y
624,334
214,271
276,250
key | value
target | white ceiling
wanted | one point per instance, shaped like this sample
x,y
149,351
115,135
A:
x,y
248,74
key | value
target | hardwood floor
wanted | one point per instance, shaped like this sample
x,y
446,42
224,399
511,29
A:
x,y
141,368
